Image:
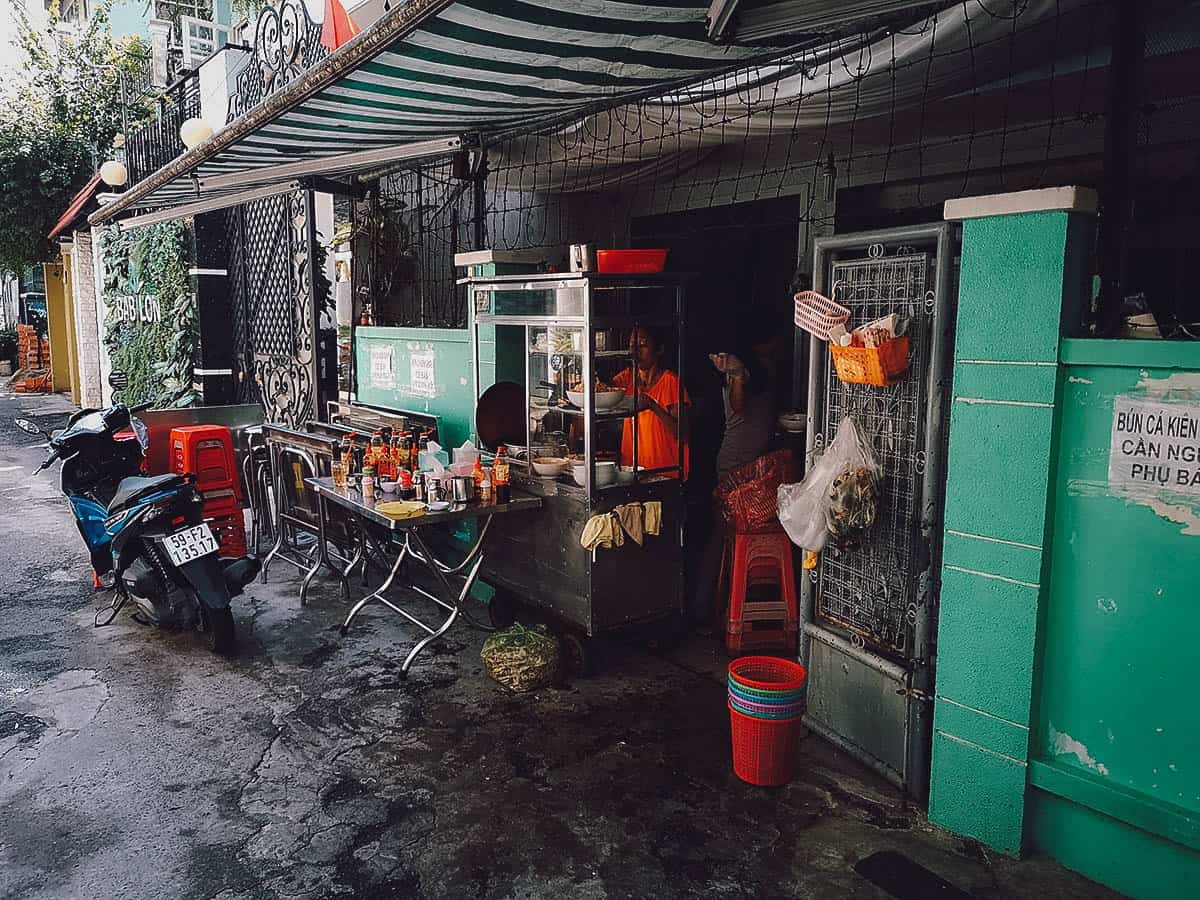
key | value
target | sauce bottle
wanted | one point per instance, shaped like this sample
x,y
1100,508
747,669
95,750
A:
x,y
500,475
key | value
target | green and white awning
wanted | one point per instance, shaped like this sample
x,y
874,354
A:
x,y
431,72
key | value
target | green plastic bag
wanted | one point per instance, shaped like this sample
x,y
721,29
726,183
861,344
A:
x,y
522,659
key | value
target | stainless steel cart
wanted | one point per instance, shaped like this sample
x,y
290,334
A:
x,y
543,332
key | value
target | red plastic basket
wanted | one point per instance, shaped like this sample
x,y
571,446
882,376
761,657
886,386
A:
x,y
816,314
230,532
748,494
764,750
768,673
639,262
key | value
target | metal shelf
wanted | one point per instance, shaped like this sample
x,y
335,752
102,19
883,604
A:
x,y
599,354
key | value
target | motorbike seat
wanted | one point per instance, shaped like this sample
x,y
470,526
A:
x,y
132,489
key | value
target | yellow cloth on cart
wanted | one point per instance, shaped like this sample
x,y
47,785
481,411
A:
x,y
601,530
653,517
401,509
630,516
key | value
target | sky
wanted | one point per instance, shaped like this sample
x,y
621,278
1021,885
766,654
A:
x,y
9,60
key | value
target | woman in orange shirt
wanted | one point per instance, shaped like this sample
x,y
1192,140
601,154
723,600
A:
x,y
662,407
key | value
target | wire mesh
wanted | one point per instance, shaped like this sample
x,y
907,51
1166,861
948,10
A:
x,y
873,590
964,96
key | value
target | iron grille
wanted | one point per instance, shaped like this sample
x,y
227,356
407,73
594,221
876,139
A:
x,y
415,223
152,144
873,591
274,325
287,43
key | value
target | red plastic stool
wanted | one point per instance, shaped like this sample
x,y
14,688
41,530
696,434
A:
x,y
761,563
206,451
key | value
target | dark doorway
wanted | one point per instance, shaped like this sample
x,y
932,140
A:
x,y
744,258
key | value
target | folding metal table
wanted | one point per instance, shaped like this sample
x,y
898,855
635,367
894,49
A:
x,y
407,540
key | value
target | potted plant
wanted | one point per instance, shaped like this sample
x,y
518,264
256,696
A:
x,y
8,351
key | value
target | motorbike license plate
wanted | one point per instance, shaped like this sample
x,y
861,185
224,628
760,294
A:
x,y
189,544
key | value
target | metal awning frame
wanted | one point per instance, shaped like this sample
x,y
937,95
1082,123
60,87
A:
x,y
368,164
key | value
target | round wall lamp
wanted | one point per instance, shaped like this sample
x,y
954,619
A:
x,y
194,132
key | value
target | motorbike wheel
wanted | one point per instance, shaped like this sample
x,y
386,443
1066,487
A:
x,y
222,634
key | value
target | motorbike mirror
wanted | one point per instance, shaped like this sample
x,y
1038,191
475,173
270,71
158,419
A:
x,y
29,427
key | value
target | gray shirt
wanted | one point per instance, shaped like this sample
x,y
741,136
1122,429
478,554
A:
x,y
747,433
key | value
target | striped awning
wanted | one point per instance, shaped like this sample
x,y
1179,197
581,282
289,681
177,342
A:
x,y
431,73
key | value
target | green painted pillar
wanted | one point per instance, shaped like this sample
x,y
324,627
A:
x,y
1023,286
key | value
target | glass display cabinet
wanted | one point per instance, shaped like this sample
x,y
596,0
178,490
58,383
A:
x,y
596,360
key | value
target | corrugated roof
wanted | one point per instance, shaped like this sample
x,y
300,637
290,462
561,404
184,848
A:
x,y
86,193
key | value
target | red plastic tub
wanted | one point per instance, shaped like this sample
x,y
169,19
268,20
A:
x,y
764,750
630,262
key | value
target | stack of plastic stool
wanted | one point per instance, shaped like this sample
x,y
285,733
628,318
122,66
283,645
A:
x,y
206,451
762,592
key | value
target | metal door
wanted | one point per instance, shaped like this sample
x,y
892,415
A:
x,y
271,258
869,614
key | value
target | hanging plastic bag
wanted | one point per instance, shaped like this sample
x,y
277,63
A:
x,y
836,500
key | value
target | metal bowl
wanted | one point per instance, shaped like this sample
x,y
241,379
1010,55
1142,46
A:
x,y
550,466
606,473
604,399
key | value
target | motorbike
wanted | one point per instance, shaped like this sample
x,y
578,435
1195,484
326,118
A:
x,y
146,534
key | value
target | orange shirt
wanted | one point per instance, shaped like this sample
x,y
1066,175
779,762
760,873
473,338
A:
x,y
657,445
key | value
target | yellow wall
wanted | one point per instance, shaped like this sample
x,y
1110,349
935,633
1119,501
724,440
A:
x,y
72,339
56,313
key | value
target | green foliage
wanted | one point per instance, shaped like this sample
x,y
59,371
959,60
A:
x,y
157,356
249,8
58,121
8,344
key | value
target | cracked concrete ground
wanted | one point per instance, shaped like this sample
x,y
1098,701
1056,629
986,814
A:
x,y
135,764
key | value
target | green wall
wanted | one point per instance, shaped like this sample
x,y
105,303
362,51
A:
x,y
451,396
1006,383
1116,745
1063,717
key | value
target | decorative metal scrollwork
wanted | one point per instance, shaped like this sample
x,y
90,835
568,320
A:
x,y
286,44
274,326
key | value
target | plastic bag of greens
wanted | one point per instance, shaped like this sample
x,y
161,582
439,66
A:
x,y
523,659
836,500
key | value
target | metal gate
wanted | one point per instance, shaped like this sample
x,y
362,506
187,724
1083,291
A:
x,y
869,614
275,324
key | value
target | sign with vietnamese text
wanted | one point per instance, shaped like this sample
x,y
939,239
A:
x,y
383,368
1155,446
422,381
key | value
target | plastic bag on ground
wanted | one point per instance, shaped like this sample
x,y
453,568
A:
x,y
523,659
836,500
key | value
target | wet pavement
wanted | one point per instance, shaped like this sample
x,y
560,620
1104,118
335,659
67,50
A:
x,y
135,764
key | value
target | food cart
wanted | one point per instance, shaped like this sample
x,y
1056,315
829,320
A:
x,y
542,345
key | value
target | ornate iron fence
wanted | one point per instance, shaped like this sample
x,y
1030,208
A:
x,y
155,142
286,44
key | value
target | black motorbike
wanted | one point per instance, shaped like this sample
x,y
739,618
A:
x,y
146,535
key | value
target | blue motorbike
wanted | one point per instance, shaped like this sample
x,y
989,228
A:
x,y
146,535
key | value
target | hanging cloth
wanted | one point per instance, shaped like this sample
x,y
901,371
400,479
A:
x,y
601,530
631,518
653,519
337,27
